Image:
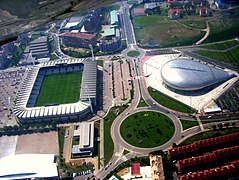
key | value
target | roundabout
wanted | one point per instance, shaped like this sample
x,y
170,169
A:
x,y
133,54
170,128
147,129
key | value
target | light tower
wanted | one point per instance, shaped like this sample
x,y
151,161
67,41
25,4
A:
x,y
92,51
30,58
88,96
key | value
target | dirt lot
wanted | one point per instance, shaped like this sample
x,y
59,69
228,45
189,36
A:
x,y
39,143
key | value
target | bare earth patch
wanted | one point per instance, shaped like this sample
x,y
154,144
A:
x,y
38,143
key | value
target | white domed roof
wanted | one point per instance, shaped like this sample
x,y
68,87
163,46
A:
x,y
184,74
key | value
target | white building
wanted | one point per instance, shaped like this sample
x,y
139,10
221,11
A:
x,y
85,134
28,166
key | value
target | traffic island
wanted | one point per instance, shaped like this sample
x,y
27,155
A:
x,y
133,54
147,129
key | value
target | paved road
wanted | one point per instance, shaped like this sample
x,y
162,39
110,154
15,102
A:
x,y
140,90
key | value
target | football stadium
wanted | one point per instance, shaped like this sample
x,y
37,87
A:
x,y
59,91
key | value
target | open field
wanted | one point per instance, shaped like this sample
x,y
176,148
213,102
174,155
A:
x,y
147,129
160,31
60,89
221,46
188,123
194,21
38,143
209,134
224,27
169,102
230,56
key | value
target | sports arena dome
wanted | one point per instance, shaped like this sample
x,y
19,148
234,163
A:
x,y
188,75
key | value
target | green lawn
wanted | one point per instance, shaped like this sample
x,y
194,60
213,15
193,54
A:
x,y
147,129
230,56
221,46
133,53
194,21
158,30
142,103
60,89
169,102
61,139
75,141
188,124
224,27
108,142
209,134
100,63
53,57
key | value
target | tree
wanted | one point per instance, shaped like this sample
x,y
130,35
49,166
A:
x,y
15,127
214,127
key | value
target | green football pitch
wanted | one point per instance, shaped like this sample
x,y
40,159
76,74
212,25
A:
x,y
60,89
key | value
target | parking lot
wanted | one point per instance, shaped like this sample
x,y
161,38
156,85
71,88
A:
x,y
10,84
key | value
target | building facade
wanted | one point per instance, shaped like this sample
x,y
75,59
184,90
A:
x,y
78,40
110,45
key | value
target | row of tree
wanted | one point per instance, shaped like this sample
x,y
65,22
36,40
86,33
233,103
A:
x,y
28,127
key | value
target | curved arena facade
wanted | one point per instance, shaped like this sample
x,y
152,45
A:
x,y
187,75
25,109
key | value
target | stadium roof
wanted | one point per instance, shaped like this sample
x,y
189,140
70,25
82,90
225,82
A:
x,y
89,81
185,74
113,17
71,24
27,166
78,35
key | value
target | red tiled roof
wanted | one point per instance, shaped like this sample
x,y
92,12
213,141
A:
x,y
135,168
220,172
78,35
139,10
177,11
207,158
173,1
196,146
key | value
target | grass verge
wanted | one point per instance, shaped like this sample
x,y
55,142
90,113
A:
x,y
108,142
169,102
209,134
188,123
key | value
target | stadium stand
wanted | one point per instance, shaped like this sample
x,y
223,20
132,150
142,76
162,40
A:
x,y
25,110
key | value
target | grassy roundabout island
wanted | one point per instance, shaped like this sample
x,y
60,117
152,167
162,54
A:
x,y
147,129
133,53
